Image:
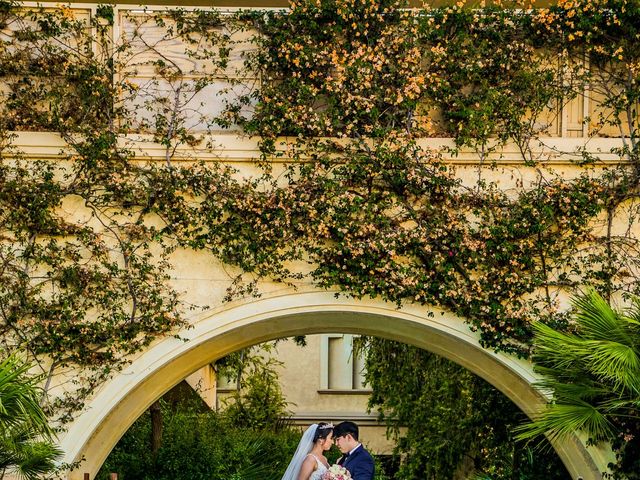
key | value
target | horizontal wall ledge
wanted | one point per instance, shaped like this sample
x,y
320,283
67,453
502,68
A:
x,y
257,4
231,147
302,418
362,391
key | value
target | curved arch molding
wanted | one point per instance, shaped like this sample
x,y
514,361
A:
x,y
125,397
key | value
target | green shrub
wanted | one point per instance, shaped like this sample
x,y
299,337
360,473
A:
x,y
199,446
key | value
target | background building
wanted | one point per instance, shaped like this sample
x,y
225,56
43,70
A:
x,y
322,381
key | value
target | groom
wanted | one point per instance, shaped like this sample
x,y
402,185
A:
x,y
355,457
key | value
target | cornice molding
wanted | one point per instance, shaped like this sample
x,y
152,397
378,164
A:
x,y
231,147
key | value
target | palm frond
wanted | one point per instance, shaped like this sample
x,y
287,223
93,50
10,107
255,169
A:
x,y
577,392
597,320
556,349
616,362
592,374
26,449
633,313
8,455
620,406
20,397
37,458
260,468
561,420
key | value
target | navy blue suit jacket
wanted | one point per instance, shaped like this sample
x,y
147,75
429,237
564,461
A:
x,y
359,464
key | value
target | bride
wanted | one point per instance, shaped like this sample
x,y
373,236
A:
x,y
309,462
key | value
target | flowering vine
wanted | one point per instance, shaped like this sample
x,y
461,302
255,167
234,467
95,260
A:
x,y
340,93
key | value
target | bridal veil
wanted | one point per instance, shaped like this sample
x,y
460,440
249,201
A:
x,y
304,447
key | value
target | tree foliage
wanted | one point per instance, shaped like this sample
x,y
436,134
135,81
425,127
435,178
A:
x,y
357,203
26,439
593,372
447,421
258,402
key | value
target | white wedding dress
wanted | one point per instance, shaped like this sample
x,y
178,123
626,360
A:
x,y
302,452
318,472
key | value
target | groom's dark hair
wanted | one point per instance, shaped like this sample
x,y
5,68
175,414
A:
x,y
346,428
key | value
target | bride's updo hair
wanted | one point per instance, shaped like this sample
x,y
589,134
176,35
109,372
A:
x,y
323,431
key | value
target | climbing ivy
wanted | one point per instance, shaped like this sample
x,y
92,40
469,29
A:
x,y
346,92
447,422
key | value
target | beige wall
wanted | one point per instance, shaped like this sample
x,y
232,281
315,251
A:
x,y
310,399
226,327
301,382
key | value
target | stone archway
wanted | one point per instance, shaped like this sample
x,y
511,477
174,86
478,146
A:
x,y
125,397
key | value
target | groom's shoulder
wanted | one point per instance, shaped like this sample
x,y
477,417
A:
x,y
364,452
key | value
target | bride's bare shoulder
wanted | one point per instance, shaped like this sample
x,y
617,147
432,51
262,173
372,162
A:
x,y
311,459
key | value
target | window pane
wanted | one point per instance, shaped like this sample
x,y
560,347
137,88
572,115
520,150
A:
x,y
358,371
339,365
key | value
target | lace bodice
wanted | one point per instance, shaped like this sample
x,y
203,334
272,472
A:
x,y
318,472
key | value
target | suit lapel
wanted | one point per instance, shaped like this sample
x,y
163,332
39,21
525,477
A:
x,y
350,457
